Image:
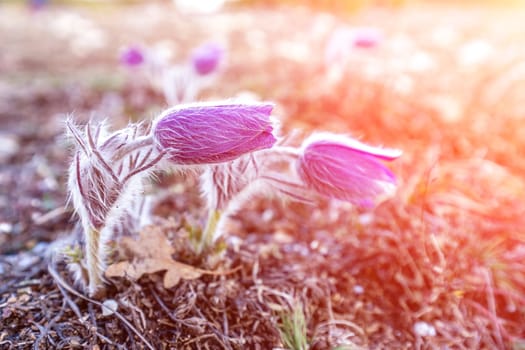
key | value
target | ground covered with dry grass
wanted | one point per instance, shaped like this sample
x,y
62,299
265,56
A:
x,y
439,266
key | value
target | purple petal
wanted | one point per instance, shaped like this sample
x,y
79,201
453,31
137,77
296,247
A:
x,y
206,58
132,56
208,134
339,171
357,146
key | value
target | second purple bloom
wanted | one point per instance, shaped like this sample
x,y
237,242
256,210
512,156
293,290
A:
x,y
346,169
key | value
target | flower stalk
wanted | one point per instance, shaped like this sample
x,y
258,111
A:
x,y
208,234
217,138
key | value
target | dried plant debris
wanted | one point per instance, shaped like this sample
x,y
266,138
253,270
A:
x,y
239,309
151,253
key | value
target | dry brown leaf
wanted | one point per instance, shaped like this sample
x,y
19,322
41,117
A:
x,y
152,253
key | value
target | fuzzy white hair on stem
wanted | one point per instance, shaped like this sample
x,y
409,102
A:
x,y
105,177
228,186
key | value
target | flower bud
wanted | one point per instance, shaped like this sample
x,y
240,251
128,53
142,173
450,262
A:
x,y
346,169
199,134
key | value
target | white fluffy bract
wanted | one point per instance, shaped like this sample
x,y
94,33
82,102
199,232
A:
x,y
105,177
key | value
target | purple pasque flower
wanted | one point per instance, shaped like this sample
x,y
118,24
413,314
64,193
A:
x,y
132,56
204,133
206,58
343,168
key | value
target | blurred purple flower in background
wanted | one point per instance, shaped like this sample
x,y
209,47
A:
x,y
344,39
206,58
366,37
199,134
344,168
132,56
37,4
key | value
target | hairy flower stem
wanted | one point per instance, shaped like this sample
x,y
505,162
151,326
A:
x,y
208,234
227,186
93,259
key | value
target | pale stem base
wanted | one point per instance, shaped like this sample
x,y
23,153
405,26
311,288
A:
x,y
208,235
